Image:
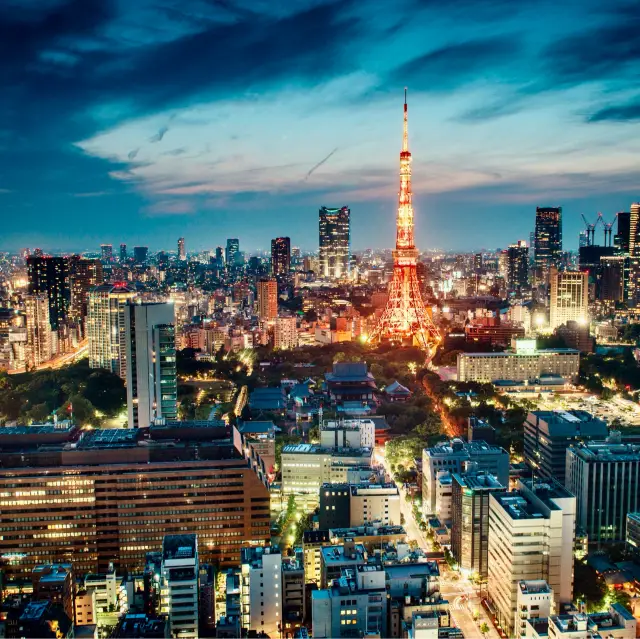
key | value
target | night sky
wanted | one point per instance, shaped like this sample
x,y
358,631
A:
x,y
144,120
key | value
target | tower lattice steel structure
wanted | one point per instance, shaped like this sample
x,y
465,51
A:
x,y
405,318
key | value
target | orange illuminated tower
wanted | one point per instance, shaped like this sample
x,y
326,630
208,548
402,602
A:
x,y
405,319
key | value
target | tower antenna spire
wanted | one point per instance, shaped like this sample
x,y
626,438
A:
x,y
405,130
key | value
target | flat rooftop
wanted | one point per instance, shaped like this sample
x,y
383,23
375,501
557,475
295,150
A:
x,y
534,587
179,546
568,423
605,451
314,449
478,481
518,507
463,449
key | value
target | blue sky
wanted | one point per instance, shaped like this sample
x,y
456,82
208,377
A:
x,y
143,121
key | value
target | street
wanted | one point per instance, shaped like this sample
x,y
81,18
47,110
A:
x,y
458,591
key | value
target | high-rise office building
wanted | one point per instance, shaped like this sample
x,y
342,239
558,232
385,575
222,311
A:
x,y
140,255
220,256
623,235
531,536
233,248
470,519
111,495
150,362
123,253
267,299
613,278
569,297
85,274
38,348
182,254
518,266
106,327
106,251
548,434
634,254
548,240
49,276
335,242
281,256
605,478
180,567
453,457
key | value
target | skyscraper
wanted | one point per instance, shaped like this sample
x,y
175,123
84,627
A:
x,y
220,256
470,519
123,253
634,254
568,297
335,242
106,327
107,252
267,299
623,235
613,279
85,274
140,254
233,247
285,334
518,266
281,256
39,348
150,362
49,276
180,576
548,240
182,255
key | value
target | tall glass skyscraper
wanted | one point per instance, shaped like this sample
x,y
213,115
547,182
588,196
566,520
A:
x,y
335,242
548,240
281,256
49,276
233,248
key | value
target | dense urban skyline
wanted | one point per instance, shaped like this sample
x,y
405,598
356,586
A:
x,y
147,122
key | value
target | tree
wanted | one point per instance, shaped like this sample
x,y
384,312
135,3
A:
x,y
484,628
84,412
37,414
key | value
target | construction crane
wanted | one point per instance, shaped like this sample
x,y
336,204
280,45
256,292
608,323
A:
x,y
608,229
591,230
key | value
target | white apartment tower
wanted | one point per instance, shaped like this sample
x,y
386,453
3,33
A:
x,y
285,334
106,327
150,362
531,537
261,590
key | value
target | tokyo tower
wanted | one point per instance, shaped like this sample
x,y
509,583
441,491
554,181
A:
x,y
405,319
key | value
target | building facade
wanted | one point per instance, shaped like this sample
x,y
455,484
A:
x,y
531,534
39,348
280,256
152,382
106,327
569,297
548,434
285,333
605,478
49,276
470,520
115,494
335,242
267,289
548,240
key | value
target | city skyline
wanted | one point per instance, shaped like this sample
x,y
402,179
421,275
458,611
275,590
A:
x,y
503,122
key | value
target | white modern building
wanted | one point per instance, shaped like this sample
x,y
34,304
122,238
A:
x,y
152,385
531,537
348,433
305,467
179,593
261,596
106,327
372,502
534,601
526,364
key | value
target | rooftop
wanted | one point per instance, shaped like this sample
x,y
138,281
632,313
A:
x,y
179,546
463,449
336,554
560,423
478,481
534,587
606,451
349,372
